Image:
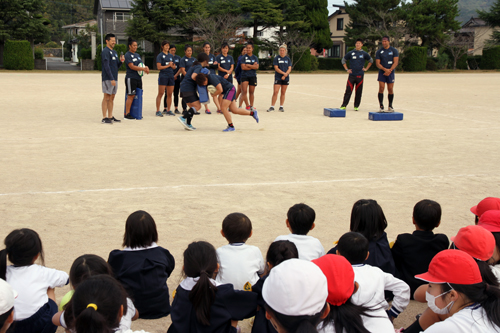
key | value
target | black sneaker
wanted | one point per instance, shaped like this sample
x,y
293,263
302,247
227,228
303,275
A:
x,y
281,109
106,121
164,111
114,120
196,112
129,117
177,111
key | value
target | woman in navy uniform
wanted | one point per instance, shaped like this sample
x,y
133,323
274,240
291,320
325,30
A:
x,y
249,64
165,63
133,80
177,79
282,67
186,62
212,66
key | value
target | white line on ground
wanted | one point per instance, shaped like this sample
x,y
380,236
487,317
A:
x,y
300,182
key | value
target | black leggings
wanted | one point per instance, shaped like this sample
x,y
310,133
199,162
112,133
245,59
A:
x,y
176,94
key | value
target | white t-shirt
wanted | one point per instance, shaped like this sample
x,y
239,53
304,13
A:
x,y
496,270
372,324
31,283
309,248
471,319
372,284
239,263
125,322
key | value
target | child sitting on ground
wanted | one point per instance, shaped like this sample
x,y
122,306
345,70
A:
x,y
490,220
36,303
367,218
277,253
241,264
143,267
7,297
83,268
300,220
372,280
412,253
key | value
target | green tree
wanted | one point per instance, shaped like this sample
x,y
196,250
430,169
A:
x,y
430,19
316,14
293,15
263,13
64,12
492,18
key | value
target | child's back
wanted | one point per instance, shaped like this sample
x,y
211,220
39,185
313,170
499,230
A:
x,y
412,253
300,220
143,267
239,263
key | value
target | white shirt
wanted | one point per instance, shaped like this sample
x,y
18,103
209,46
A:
x,y
125,322
31,283
380,324
309,247
471,319
496,270
372,283
239,263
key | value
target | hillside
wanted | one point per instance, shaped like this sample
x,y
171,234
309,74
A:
x,y
468,8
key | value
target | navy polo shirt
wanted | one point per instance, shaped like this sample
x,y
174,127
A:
x,y
386,56
164,60
111,58
249,60
187,62
188,84
357,61
283,64
215,80
135,59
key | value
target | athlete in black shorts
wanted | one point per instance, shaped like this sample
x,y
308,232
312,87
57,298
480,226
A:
x,y
386,59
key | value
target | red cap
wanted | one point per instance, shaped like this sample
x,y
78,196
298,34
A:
x,y
485,205
452,266
478,242
339,276
490,220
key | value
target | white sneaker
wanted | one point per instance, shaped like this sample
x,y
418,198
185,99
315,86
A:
x,y
390,110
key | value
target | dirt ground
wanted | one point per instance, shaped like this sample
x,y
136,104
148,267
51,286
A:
x,y
75,181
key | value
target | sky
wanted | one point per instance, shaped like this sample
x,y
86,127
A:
x,y
338,2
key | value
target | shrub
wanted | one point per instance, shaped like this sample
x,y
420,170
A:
x,y
474,62
330,64
314,63
431,64
52,45
86,53
118,48
491,58
265,63
304,63
442,60
415,59
38,53
18,55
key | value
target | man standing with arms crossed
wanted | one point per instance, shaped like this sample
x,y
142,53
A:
x,y
386,60
110,65
357,58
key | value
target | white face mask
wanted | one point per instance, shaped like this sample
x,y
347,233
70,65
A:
x,y
431,303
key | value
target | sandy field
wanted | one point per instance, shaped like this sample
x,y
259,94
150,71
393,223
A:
x,y
75,181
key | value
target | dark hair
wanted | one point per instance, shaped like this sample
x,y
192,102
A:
x,y
224,45
109,36
200,260
130,41
85,266
108,296
201,58
359,40
354,247
4,317
187,46
427,214
280,251
21,247
347,317
200,79
486,295
207,43
298,324
165,42
140,230
497,242
237,227
367,218
301,218
251,44
386,37
172,46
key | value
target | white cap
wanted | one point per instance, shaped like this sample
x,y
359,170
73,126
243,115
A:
x,y
296,288
7,296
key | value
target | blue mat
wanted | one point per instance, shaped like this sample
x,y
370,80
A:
x,y
385,116
330,112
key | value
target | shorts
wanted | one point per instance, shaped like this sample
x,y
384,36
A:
x,y
40,322
386,79
281,82
166,81
230,95
229,78
107,88
252,81
189,96
132,85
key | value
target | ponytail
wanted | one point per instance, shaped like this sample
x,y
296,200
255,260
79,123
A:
x,y
280,251
486,273
130,41
22,246
200,261
347,318
3,264
91,321
201,58
486,295
297,324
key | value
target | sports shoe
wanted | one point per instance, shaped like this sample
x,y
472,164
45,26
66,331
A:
x,y
129,117
196,112
248,108
182,120
342,108
229,129
207,111
113,119
159,114
170,113
381,109
164,111
190,128
177,111
255,116
390,110
356,109
271,109
106,121
281,109
219,111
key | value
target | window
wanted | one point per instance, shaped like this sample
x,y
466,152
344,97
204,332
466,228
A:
x,y
334,52
260,34
340,24
121,17
245,33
